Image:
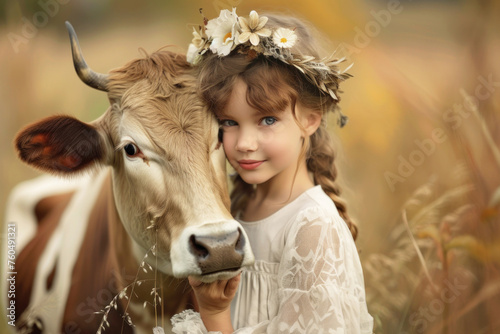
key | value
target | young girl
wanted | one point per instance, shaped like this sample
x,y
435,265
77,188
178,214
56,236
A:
x,y
265,82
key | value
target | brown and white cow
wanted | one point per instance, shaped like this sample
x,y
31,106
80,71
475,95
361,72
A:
x,y
147,178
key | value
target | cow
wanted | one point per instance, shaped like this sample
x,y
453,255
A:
x,y
142,204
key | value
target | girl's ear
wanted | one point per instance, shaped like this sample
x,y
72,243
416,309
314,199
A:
x,y
311,121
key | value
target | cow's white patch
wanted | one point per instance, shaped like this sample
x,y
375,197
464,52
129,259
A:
x,y
63,247
21,204
25,196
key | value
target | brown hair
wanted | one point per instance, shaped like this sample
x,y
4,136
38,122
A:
x,y
273,86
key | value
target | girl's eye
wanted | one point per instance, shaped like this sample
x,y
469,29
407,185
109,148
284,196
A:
x,y
268,120
131,149
228,122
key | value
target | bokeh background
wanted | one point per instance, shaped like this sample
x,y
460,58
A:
x,y
419,158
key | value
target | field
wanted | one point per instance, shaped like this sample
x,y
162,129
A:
x,y
419,158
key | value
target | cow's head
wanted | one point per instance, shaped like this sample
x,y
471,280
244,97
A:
x,y
168,169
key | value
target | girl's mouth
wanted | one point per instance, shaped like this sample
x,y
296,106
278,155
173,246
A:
x,y
250,164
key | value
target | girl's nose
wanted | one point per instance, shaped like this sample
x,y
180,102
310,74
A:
x,y
247,141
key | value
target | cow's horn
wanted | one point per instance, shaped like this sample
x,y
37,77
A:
x,y
91,78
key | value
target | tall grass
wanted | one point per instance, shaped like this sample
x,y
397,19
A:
x,y
442,272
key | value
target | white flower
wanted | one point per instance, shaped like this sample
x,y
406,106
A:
x,y
197,48
199,38
158,330
252,28
223,32
284,38
193,54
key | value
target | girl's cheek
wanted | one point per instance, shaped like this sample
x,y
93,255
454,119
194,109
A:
x,y
227,142
276,149
284,148
267,137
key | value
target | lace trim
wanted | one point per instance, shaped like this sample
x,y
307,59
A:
x,y
188,322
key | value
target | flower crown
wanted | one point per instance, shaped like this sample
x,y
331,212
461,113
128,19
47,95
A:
x,y
250,34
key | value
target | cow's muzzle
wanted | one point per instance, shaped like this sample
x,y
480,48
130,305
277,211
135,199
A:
x,y
218,253
211,251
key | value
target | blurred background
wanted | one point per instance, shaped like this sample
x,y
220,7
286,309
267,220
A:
x,y
419,158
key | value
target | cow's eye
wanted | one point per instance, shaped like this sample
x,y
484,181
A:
x,y
131,149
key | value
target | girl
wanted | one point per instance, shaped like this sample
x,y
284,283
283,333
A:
x,y
265,82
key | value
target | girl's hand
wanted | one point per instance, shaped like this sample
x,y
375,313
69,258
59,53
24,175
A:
x,y
214,300
215,297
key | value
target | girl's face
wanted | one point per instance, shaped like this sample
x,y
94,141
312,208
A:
x,y
261,148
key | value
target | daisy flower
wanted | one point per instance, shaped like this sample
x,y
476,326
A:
x,y
284,38
252,28
223,32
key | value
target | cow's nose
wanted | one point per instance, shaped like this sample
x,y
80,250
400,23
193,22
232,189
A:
x,y
218,253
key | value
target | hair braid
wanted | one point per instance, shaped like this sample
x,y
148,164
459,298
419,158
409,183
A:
x,y
239,195
321,162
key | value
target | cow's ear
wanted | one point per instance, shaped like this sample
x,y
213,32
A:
x,y
60,144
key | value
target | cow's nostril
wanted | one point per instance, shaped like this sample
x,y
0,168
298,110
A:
x,y
197,248
240,242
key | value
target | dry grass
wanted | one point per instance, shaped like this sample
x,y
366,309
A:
x,y
441,274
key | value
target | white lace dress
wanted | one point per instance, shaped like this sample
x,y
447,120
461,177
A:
x,y
307,277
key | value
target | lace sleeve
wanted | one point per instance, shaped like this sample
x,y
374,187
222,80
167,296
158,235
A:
x,y
321,287
320,280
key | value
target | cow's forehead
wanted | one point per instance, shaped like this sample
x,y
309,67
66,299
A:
x,y
165,121
163,69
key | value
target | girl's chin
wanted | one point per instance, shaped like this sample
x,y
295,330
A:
x,y
253,180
